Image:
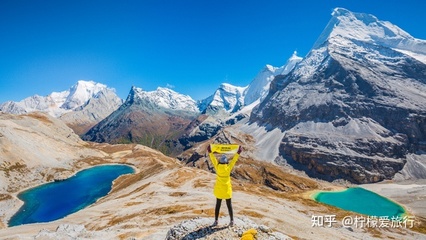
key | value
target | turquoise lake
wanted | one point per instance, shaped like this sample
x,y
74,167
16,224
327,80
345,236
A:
x,y
361,201
52,201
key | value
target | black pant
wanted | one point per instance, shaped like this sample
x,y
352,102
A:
x,y
217,209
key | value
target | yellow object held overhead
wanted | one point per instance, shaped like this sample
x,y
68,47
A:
x,y
249,234
224,148
223,187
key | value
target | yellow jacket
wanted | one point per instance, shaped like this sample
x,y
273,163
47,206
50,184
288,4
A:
x,y
223,187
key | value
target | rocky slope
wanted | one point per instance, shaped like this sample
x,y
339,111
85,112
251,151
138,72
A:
x,y
356,105
36,147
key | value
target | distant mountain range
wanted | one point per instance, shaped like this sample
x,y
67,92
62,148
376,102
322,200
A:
x,y
81,107
354,108
169,121
86,103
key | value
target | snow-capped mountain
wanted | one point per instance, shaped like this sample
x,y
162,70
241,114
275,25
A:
x,y
231,98
50,104
368,29
155,119
259,86
165,98
80,93
57,103
82,106
356,105
227,97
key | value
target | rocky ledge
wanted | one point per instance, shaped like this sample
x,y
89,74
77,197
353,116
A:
x,y
201,228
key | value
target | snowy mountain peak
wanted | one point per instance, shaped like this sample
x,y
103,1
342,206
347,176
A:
x,y
344,12
59,103
81,92
294,57
232,98
367,28
259,86
168,98
163,97
231,88
289,65
133,94
135,90
270,68
227,97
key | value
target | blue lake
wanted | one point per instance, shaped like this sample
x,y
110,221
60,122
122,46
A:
x,y
56,200
361,201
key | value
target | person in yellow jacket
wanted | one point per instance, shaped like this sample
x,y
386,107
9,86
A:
x,y
223,187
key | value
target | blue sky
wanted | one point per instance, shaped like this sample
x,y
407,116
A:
x,y
189,45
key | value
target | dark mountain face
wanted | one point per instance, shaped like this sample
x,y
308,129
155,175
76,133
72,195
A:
x,y
142,121
351,110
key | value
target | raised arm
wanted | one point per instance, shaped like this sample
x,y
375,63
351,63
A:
x,y
235,158
212,157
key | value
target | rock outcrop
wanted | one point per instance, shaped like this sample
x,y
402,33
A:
x,y
201,228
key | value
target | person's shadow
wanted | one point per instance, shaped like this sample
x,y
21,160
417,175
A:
x,y
202,232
